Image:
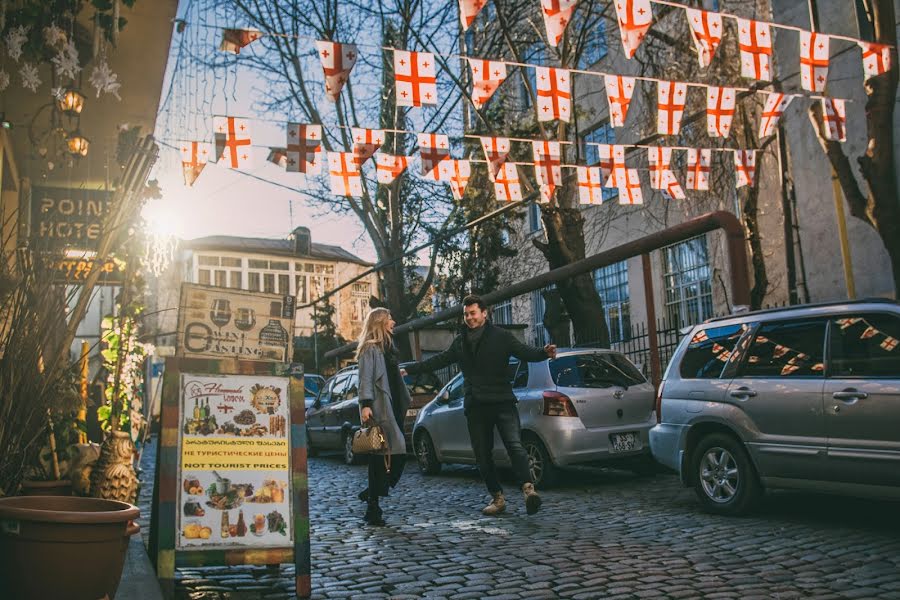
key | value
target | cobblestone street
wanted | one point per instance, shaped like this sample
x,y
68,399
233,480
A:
x,y
600,534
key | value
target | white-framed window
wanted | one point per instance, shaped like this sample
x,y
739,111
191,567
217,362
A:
x,y
688,282
220,271
601,134
612,285
501,313
359,300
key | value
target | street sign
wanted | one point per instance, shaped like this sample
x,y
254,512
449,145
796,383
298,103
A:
x,y
66,218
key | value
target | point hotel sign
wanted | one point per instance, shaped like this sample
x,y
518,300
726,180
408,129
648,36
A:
x,y
67,218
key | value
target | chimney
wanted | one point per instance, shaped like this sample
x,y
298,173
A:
x,y
302,241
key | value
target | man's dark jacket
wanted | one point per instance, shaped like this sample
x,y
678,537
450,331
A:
x,y
485,366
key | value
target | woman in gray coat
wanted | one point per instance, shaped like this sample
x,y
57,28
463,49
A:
x,y
383,398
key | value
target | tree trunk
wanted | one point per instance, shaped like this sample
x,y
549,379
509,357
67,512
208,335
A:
x,y
396,300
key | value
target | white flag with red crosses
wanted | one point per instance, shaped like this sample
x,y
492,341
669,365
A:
x,y
235,39
337,62
487,75
590,185
433,149
834,112
554,98
547,169
304,148
813,61
706,29
630,187
745,164
194,157
506,184
496,149
233,142
557,15
661,175
671,97
755,41
365,143
634,18
720,103
611,157
457,174
889,343
468,10
619,91
389,166
699,163
771,114
876,58
415,78
346,179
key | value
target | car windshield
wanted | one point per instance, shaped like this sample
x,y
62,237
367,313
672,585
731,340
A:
x,y
594,370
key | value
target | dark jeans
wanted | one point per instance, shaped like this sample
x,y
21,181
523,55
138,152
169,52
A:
x,y
379,480
505,417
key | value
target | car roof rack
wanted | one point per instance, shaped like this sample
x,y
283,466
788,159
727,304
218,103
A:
x,y
790,307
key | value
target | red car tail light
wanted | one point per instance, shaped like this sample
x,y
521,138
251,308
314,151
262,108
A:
x,y
558,405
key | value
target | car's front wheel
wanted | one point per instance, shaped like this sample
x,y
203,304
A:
x,y
426,455
724,478
543,472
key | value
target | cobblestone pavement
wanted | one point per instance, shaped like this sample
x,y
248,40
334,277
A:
x,y
600,534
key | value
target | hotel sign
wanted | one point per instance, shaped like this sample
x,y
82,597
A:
x,y
64,218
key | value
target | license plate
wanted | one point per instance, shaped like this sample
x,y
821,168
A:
x,y
412,412
624,442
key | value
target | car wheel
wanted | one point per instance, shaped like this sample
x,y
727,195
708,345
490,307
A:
x,y
425,454
349,457
543,471
724,478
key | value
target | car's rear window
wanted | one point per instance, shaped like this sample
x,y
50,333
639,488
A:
x,y
709,351
594,370
422,383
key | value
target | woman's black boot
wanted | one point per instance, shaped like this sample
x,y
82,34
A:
x,y
363,495
374,514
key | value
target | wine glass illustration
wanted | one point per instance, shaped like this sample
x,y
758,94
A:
x,y
245,319
220,314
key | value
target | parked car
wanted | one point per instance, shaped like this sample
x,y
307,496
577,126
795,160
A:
x,y
586,406
312,383
805,397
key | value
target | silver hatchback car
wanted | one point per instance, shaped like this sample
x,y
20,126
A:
x,y
586,406
806,397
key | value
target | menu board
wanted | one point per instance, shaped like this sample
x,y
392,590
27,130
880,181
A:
x,y
234,462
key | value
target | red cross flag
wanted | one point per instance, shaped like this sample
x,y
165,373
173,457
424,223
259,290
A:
x,y
433,149
719,111
671,97
496,149
277,156
813,61
889,343
661,175
553,94
344,173
506,184
706,29
590,185
415,78
619,91
487,75
304,148
699,337
388,167
457,173
365,143
557,14
233,141
699,161
235,39
468,10
337,62
756,49
194,156
876,58
834,112
634,17
547,168
772,111
630,187
745,163
612,158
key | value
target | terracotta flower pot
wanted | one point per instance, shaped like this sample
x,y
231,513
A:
x,y
63,547
63,487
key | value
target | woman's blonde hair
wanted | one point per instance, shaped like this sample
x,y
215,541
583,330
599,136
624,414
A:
x,y
374,331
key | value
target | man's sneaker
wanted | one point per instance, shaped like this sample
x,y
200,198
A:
x,y
532,500
497,505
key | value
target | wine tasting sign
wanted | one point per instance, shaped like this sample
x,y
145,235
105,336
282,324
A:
x,y
66,218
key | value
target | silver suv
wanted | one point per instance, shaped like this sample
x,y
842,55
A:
x,y
806,397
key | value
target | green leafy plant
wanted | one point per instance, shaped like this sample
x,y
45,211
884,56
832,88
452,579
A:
x,y
123,358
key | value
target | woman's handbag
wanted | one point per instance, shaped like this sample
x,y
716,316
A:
x,y
369,440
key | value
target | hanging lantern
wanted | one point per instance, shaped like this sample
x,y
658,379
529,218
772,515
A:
x,y
71,102
78,144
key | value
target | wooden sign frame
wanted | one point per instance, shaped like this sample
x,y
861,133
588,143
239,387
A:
x,y
164,515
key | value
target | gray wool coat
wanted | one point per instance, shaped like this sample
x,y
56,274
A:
x,y
373,385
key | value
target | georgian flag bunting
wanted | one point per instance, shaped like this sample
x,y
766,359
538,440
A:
x,y
547,169
630,187
756,49
876,58
434,148
671,97
834,112
415,78
720,103
277,156
304,148
635,18
487,75
468,10
706,29
610,156
506,184
337,62
235,39
775,105
557,15
365,143
699,161
745,164
619,91
457,174
496,149
813,61
661,175
590,185
553,94
194,157
346,179
233,142
389,166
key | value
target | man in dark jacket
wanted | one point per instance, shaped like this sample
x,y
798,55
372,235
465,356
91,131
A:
x,y
483,354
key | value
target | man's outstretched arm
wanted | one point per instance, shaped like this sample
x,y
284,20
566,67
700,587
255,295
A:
x,y
528,353
439,361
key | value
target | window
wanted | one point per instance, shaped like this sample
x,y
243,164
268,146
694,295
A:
x,y
255,263
612,285
236,280
284,285
501,313
336,392
204,277
208,261
538,306
230,261
301,289
864,20
787,349
688,282
221,279
521,379
422,383
352,389
253,283
279,265
594,370
457,390
865,346
534,218
269,283
709,351
595,47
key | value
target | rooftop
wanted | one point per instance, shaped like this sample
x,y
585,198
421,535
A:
x,y
249,245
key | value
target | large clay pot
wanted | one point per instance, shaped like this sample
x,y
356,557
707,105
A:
x,y
62,487
65,548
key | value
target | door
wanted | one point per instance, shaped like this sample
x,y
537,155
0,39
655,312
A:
x,y
778,391
862,399
451,431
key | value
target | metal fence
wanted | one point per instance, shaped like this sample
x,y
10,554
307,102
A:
x,y
637,347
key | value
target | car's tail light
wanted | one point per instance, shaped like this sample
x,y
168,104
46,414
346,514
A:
x,y
659,393
558,405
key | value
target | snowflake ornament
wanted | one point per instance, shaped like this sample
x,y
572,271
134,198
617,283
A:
x,y
30,78
66,61
54,36
104,80
4,80
58,93
15,39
